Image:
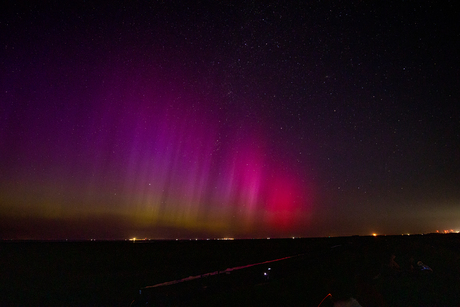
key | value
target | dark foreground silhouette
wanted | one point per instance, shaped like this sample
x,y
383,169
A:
x,y
375,271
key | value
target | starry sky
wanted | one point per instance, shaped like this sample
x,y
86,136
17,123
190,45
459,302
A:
x,y
184,119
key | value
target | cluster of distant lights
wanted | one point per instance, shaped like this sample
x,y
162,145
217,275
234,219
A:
x,y
268,238
196,239
446,231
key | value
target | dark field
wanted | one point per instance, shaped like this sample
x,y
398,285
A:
x,y
104,273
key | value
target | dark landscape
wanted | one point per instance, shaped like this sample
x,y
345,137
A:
x,y
116,273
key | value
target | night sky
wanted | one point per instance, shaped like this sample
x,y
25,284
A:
x,y
207,119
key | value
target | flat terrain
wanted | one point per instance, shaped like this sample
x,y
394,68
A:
x,y
111,273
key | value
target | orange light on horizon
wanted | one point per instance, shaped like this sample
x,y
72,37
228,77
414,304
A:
x,y
374,234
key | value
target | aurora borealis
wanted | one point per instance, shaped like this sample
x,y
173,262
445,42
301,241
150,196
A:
x,y
172,165
221,120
